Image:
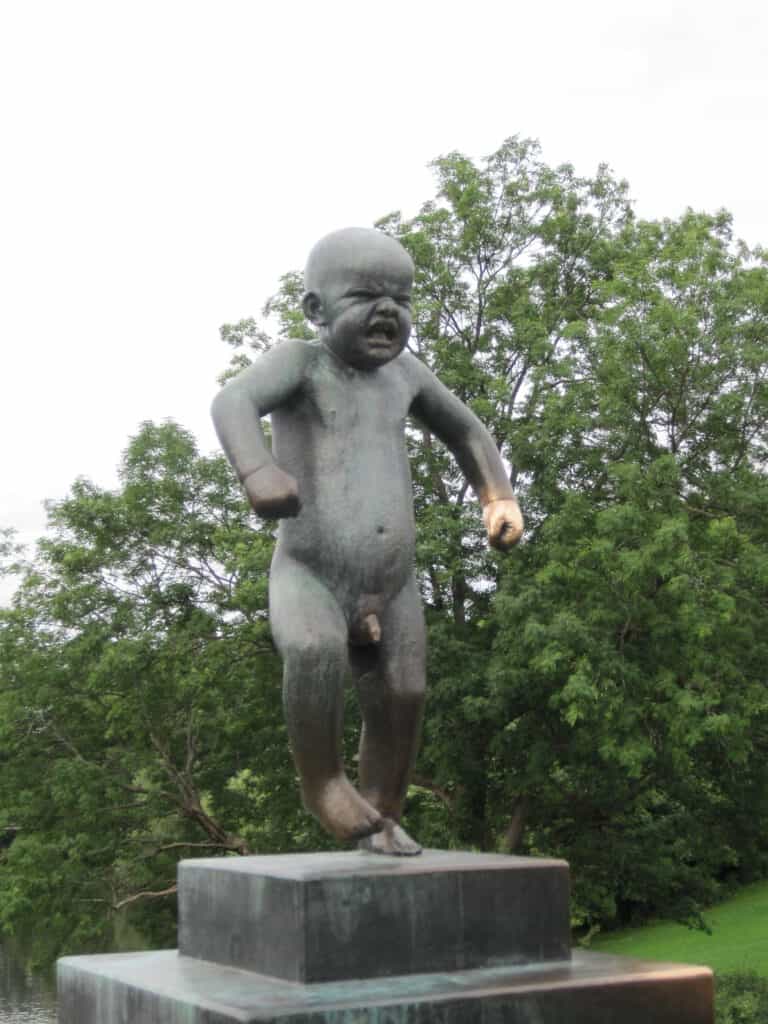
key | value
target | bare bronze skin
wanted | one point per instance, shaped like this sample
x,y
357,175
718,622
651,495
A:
x,y
343,596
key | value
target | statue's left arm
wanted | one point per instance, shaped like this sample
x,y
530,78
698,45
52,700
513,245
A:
x,y
474,449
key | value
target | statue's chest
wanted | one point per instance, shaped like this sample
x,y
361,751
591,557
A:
x,y
357,405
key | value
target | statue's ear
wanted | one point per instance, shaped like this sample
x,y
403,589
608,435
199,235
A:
x,y
312,305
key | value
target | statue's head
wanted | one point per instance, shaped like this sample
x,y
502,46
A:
x,y
358,292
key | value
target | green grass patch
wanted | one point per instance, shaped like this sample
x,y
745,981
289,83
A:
x,y
739,939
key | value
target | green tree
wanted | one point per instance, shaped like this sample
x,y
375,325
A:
x,y
140,714
631,651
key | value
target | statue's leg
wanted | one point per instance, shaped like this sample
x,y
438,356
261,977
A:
x,y
311,634
391,684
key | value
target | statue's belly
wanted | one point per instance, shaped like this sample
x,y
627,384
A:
x,y
346,449
356,528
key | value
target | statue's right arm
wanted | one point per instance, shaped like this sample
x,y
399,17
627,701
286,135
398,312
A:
x,y
237,412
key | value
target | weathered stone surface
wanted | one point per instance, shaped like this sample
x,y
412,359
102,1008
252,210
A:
x,y
326,917
166,988
368,926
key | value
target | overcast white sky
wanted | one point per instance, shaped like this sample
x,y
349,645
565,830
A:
x,y
164,162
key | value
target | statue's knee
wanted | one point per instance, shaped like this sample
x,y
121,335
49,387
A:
x,y
410,693
313,653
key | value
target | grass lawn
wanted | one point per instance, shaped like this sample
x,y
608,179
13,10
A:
x,y
739,939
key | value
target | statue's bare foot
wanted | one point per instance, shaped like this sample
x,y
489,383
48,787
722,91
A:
x,y
392,840
342,811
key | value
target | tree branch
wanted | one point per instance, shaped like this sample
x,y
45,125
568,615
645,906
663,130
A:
x,y
442,794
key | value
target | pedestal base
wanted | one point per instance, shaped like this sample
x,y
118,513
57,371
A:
x,y
333,916
354,938
592,988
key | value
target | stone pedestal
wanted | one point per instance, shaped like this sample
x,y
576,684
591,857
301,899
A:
x,y
339,916
349,938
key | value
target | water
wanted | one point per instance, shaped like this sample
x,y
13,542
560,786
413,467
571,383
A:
x,y
25,998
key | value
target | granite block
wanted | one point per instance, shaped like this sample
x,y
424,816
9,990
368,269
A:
x,y
326,917
591,988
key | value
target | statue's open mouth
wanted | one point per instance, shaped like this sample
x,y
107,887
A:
x,y
382,332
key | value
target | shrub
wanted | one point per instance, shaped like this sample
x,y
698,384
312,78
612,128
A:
x,y
741,998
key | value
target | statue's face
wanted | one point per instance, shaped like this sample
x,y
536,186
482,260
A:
x,y
366,311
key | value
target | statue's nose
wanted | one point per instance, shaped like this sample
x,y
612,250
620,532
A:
x,y
387,306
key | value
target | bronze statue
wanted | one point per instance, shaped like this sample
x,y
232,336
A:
x,y
342,590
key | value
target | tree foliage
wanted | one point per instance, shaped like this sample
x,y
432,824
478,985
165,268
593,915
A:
x,y
741,998
622,366
140,711
599,694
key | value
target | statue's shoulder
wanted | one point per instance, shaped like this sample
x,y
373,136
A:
x,y
293,354
412,369
298,347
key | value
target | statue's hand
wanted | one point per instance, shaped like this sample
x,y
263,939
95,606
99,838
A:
x,y
272,493
504,523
